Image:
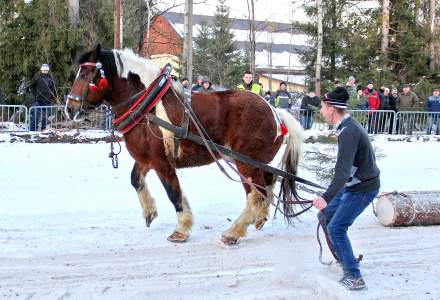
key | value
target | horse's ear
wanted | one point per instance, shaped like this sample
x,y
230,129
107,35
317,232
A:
x,y
98,51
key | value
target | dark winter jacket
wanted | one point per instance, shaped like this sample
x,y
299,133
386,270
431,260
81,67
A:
x,y
308,103
432,104
392,100
282,99
43,87
407,101
355,168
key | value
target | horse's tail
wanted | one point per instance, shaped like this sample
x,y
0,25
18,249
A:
x,y
290,161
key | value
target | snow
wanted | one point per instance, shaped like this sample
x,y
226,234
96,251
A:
x,y
71,228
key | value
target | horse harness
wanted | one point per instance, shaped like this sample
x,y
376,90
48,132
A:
x,y
148,98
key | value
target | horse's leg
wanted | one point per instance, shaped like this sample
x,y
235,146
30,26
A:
x,y
270,180
148,204
168,177
256,206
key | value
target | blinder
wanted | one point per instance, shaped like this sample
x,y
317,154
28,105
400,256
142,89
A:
x,y
92,87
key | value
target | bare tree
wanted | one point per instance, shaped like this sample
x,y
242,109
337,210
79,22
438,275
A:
x,y
252,42
187,41
432,27
385,32
73,13
117,24
318,49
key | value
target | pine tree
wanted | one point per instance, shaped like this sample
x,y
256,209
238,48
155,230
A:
x,y
201,54
38,32
215,52
222,46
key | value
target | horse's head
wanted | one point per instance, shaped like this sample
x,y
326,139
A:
x,y
90,86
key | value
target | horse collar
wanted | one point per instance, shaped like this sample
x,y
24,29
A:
x,y
145,102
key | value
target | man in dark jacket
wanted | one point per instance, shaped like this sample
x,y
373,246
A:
x,y
354,186
309,104
392,98
432,105
282,98
407,101
43,89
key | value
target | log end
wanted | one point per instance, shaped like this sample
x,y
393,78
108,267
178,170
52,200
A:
x,y
385,211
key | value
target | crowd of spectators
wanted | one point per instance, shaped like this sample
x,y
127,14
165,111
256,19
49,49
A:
x,y
382,103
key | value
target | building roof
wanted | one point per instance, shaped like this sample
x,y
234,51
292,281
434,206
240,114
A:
x,y
278,46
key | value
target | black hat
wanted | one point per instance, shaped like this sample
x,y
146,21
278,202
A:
x,y
405,85
337,98
370,81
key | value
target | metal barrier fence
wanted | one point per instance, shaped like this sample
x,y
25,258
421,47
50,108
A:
x,y
13,118
417,122
53,117
37,118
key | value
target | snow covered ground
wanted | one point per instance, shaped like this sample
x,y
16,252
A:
x,y
71,228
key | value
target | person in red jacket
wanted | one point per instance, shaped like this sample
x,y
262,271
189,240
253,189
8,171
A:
x,y
373,100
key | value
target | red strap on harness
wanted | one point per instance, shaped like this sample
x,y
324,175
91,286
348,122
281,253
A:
x,y
138,101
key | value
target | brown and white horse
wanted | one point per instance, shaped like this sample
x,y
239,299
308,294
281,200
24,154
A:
x,y
240,120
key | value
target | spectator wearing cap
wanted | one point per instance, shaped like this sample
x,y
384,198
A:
x,y
43,90
205,85
355,184
432,105
310,104
282,98
373,104
407,101
248,84
198,84
184,82
392,100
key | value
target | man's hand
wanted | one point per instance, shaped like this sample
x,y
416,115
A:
x,y
319,203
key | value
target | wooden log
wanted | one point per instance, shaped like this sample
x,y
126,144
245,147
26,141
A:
x,y
409,208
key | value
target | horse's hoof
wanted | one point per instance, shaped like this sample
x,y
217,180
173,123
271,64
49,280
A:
x,y
178,237
229,240
260,223
150,218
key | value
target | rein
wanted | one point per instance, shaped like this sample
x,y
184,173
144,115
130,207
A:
x,y
148,98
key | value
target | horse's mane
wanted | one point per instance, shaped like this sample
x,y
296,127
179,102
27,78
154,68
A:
x,y
121,62
127,61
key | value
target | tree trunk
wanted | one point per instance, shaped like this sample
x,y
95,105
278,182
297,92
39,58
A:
x,y
252,43
187,41
409,208
117,24
432,54
385,31
141,29
319,50
73,13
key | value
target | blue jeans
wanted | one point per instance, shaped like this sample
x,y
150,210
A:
x,y
340,214
433,119
306,119
38,114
